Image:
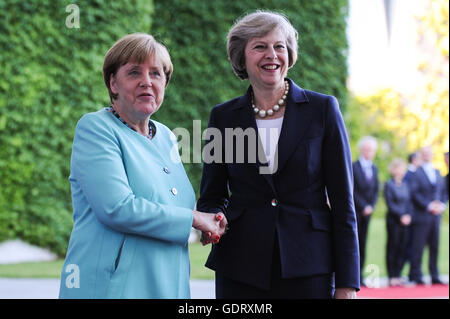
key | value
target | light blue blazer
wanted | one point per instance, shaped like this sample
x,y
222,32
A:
x,y
132,203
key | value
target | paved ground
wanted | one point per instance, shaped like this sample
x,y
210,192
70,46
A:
x,y
17,251
49,289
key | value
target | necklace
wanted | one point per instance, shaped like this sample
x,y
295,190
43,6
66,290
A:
x,y
151,125
276,107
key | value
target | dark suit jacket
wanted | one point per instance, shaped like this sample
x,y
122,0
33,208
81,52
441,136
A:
x,y
423,193
446,187
313,153
398,200
408,176
366,191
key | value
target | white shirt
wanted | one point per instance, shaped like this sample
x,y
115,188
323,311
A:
x,y
430,172
366,166
269,133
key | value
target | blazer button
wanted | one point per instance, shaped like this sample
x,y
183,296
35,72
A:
x,y
166,170
274,202
174,191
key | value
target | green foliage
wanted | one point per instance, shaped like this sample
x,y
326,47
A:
x,y
195,32
377,115
50,76
398,129
369,116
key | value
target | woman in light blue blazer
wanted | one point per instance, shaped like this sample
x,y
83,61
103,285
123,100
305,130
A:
x,y
132,200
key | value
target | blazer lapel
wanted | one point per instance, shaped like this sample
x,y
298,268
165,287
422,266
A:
x,y
297,118
244,118
425,176
359,172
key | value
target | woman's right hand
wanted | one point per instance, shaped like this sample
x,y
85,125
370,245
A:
x,y
212,226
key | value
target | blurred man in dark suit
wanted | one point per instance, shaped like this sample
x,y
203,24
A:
x,y
365,192
414,161
428,194
446,176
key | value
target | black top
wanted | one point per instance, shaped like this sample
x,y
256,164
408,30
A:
x,y
398,200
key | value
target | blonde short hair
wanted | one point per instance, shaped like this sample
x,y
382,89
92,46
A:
x,y
135,47
396,163
256,25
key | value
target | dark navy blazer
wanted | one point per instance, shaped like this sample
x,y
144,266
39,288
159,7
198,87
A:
x,y
423,192
314,158
365,191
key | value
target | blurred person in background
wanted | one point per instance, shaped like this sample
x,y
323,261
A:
x,y
414,161
133,204
428,194
398,219
446,176
365,194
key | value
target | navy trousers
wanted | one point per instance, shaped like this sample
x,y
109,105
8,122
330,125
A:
x,y
425,233
397,245
313,287
363,229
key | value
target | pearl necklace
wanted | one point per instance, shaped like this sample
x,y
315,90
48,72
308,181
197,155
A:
x,y
276,107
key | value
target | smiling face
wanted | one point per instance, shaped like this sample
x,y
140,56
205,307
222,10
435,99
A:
x,y
140,88
267,60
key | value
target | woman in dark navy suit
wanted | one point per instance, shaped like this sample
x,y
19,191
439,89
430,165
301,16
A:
x,y
272,156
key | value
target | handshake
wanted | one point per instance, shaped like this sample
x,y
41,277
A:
x,y
212,226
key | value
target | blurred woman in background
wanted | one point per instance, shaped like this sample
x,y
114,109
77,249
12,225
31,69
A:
x,y
398,219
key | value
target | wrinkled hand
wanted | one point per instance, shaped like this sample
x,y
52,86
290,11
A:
x,y
212,226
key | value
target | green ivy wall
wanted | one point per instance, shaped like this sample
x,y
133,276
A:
x,y
51,74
